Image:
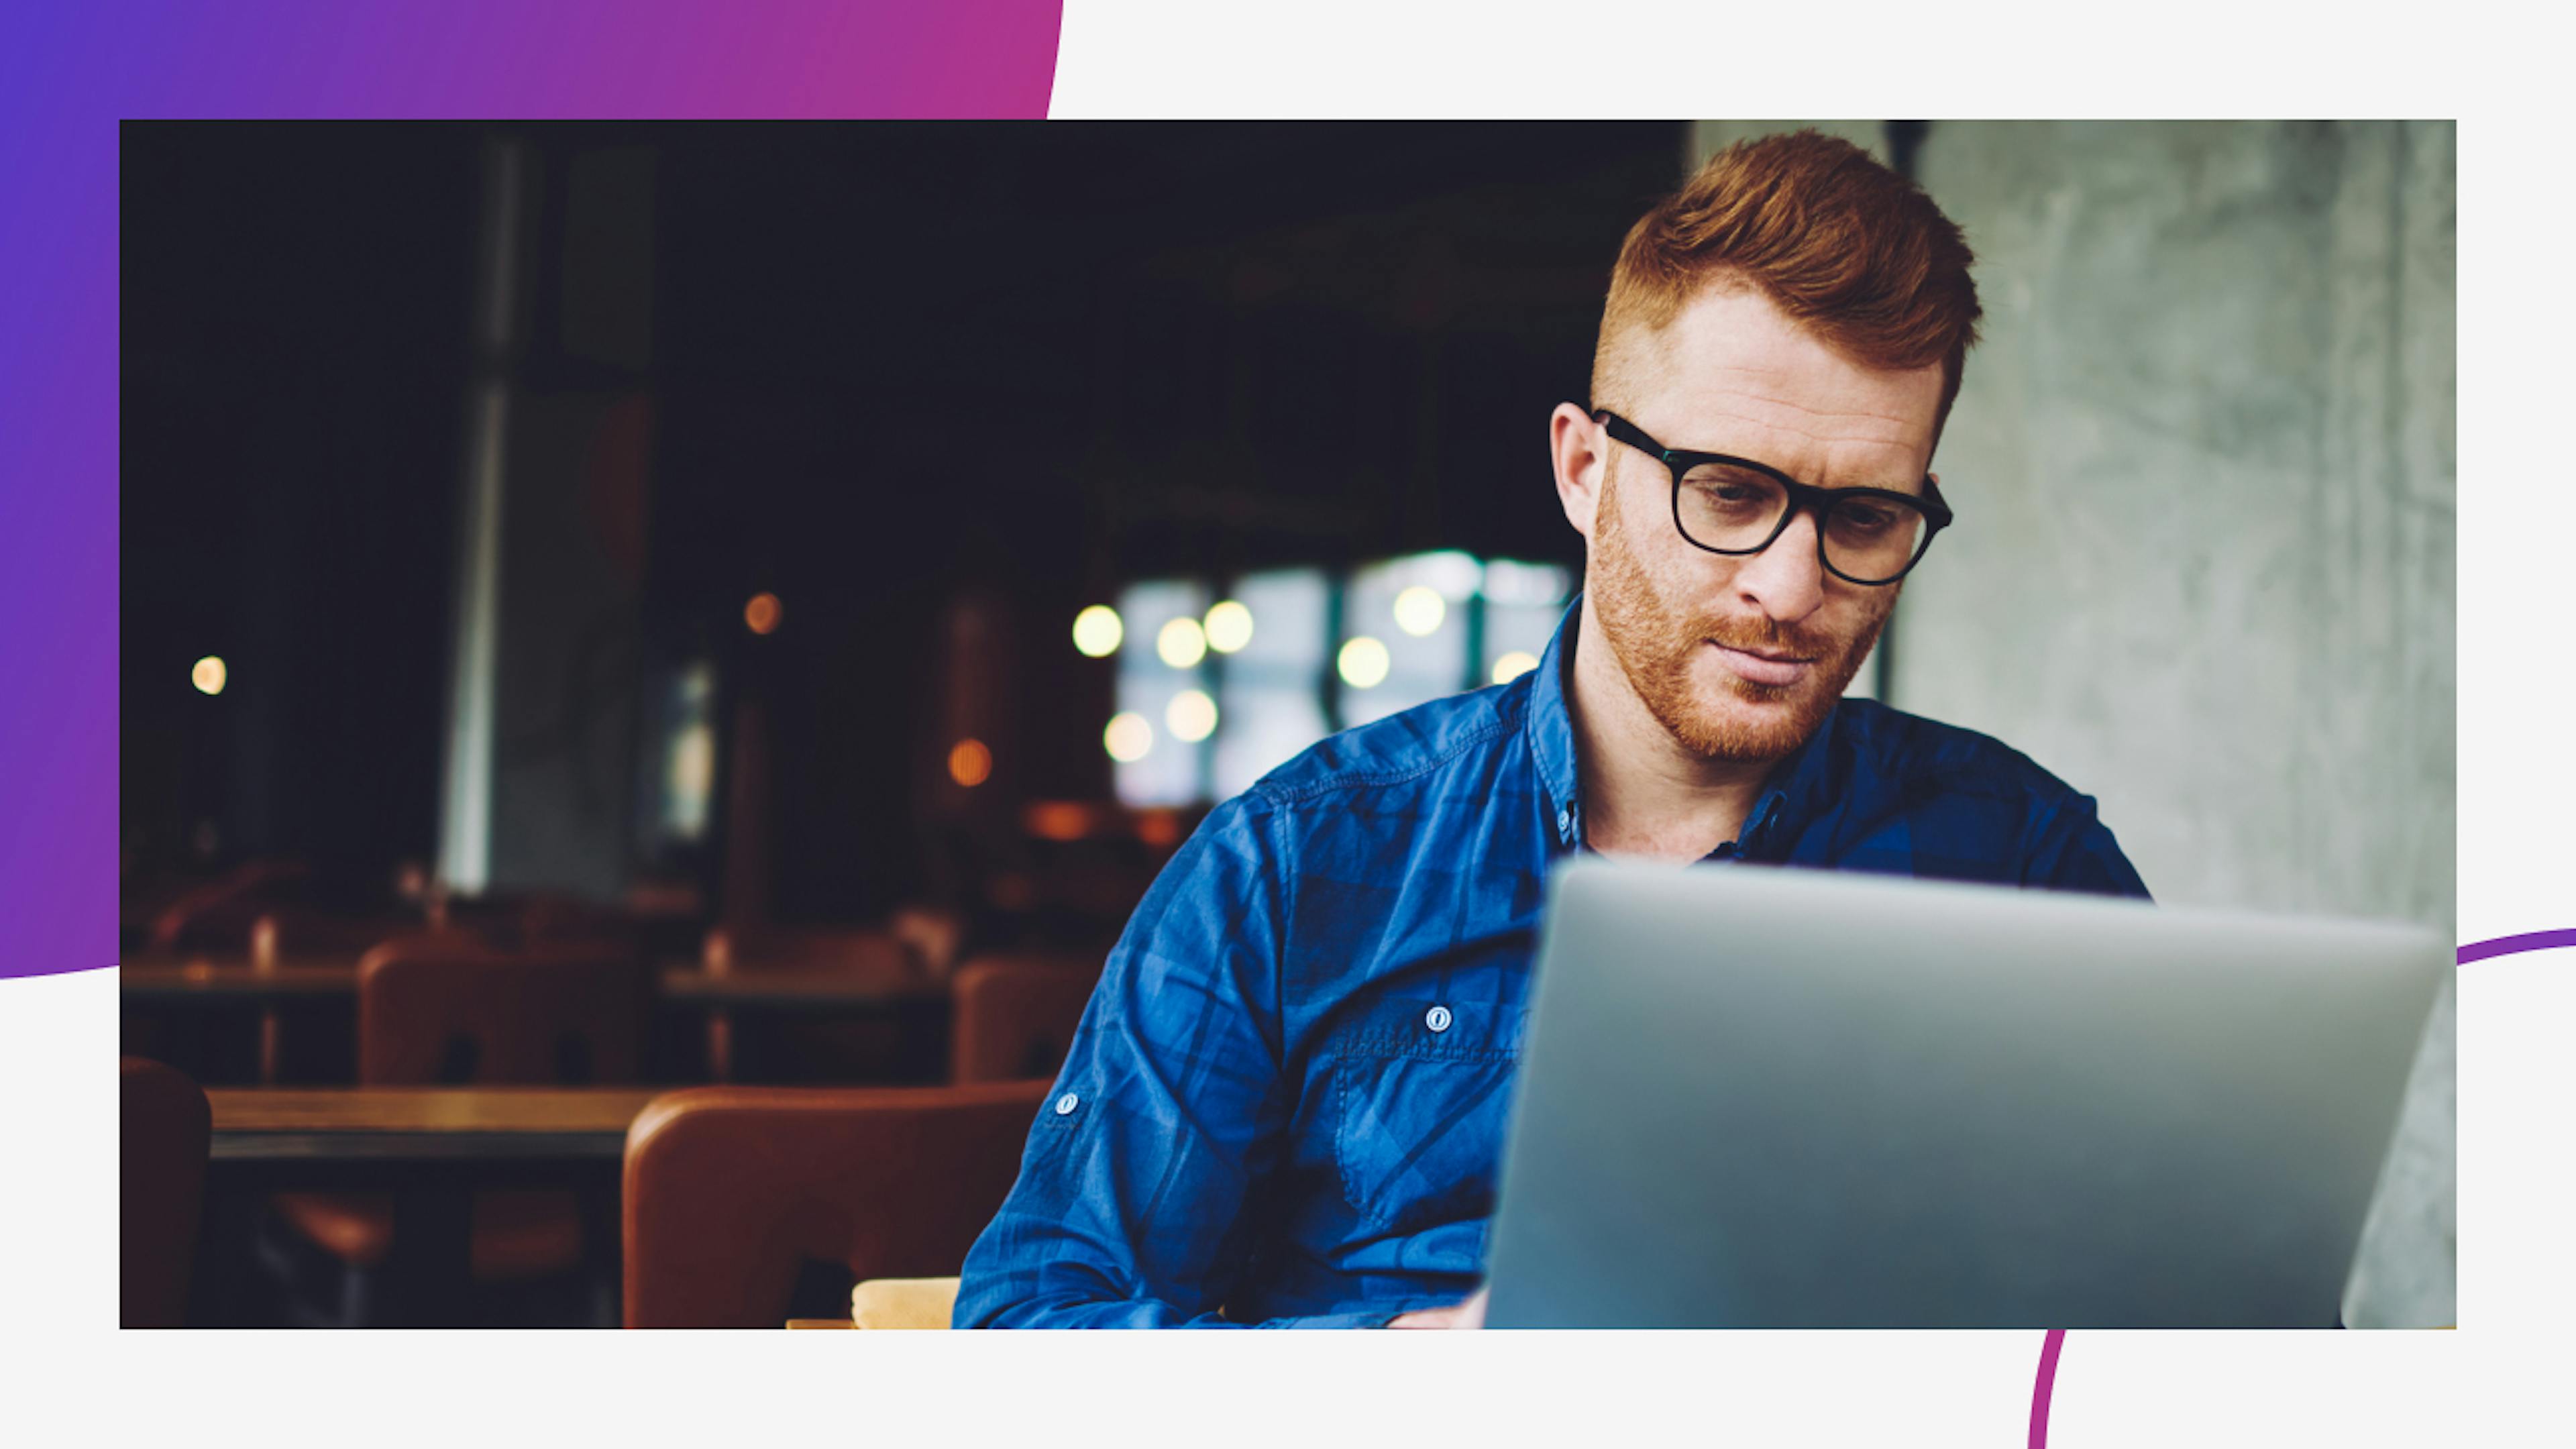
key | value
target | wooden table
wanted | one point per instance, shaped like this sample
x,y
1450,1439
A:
x,y
918,1004
170,979
202,985
834,990
433,1148
423,1124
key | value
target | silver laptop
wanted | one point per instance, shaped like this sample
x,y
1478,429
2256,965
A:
x,y
1776,1098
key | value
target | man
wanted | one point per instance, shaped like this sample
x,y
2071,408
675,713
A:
x,y
1286,1100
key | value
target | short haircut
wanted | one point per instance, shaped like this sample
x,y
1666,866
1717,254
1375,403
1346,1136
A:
x,y
1847,248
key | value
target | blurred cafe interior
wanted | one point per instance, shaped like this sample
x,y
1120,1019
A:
x,y
655,659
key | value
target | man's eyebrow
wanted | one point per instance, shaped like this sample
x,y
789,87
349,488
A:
x,y
1910,487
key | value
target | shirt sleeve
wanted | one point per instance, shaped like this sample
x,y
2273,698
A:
x,y
1130,1208
2074,851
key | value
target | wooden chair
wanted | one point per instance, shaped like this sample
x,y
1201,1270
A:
x,y
832,1050
536,920
1013,1016
730,1191
216,915
304,931
162,1131
444,1010
857,950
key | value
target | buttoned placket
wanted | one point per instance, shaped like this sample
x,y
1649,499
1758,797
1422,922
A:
x,y
1757,830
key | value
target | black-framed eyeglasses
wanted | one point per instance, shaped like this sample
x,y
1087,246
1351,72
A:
x,y
1735,506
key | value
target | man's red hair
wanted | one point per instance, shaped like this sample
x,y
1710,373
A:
x,y
1849,249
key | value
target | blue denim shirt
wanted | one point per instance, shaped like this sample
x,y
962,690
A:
x,y
1260,1123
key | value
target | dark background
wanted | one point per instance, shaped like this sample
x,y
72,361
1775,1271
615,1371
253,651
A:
x,y
873,368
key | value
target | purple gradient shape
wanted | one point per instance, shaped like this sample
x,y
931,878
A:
x,y
69,73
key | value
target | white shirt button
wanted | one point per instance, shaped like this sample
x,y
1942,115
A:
x,y
1065,1104
1437,1018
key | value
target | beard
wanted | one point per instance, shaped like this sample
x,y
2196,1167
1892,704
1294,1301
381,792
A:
x,y
1659,639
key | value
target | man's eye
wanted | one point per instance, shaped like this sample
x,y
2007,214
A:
x,y
1733,490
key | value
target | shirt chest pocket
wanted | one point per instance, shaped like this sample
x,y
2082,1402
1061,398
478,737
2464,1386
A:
x,y
1422,1092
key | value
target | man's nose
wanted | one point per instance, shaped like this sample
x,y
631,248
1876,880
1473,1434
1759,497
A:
x,y
1785,581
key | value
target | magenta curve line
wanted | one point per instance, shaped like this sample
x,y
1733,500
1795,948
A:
x,y
2041,1386
2508,945
2475,951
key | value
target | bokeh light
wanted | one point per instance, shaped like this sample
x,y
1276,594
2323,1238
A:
x,y
1058,819
1182,643
1229,626
1191,716
1419,610
1098,631
1158,828
969,763
763,613
208,675
1513,665
1128,737
1363,663
691,778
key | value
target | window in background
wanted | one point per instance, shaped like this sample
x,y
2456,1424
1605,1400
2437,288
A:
x,y
688,753
1522,605
1404,634
1216,690
1162,659
1272,703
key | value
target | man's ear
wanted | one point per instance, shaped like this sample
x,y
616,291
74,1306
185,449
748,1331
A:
x,y
1576,446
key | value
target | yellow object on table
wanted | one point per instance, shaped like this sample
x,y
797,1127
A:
x,y
903,1302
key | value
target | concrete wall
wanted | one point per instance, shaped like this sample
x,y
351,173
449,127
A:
x,y
2203,463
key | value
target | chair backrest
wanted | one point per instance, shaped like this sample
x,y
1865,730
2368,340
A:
x,y
303,931
1013,1016
856,950
536,920
446,1010
162,1133
731,1190
216,915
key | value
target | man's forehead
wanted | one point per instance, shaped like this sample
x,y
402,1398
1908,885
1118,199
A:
x,y
1731,363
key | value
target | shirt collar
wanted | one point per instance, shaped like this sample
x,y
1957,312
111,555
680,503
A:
x,y
1799,787
1551,730
1799,790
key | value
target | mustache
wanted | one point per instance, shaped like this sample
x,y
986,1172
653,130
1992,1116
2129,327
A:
x,y
1767,636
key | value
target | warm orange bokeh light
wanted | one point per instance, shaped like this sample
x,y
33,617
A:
x,y
969,763
763,613
1059,820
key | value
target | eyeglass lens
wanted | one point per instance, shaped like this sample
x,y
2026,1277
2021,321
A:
x,y
1737,509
